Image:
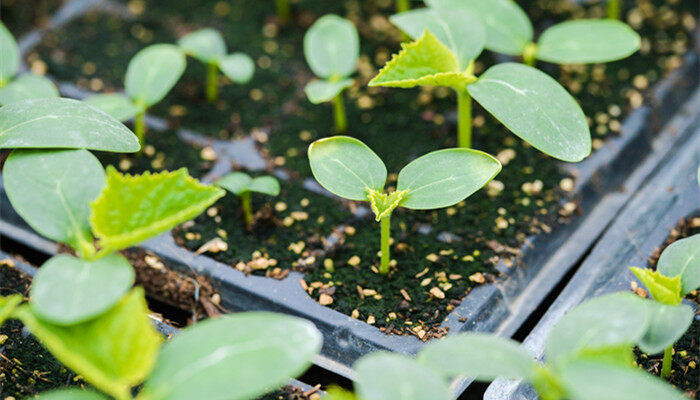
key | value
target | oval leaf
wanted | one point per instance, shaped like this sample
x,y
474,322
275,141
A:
x,y
265,185
234,357
206,45
115,104
332,47
153,72
682,258
62,123
587,41
667,325
27,86
536,108
52,191
237,67
235,182
320,91
9,62
71,394
95,287
346,167
386,376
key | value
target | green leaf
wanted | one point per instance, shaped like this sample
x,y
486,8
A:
x,y
27,86
8,305
132,209
238,67
9,62
207,45
445,177
346,167
95,287
71,394
682,258
265,185
52,190
668,323
587,41
662,288
622,355
423,62
383,204
113,352
115,104
153,72
62,123
457,29
388,376
536,108
332,47
319,91
239,182
508,28
234,357
338,393
586,380
481,356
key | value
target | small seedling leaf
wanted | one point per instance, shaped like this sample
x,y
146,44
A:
x,y
536,108
52,190
71,394
251,352
62,123
235,182
346,167
332,47
28,86
682,258
662,288
445,177
95,287
587,41
206,45
115,104
9,62
622,355
153,72
386,376
238,67
265,185
668,323
132,209
8,305
382,204
319,91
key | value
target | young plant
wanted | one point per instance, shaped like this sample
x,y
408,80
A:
x,y
151,74
331,48
26,86
208,46
348,168
242,185
677,274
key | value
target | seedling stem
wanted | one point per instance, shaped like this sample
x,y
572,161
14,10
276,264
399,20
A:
x,y
385,238
464,119
403,6
247,208
212,87
530,54
140,126
666,365
284,12
614,9
341,120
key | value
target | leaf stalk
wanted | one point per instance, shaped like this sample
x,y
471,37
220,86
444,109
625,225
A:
x,y
212,84
140,126
284,11
464,119
385,239
667,363
403,6
341,120
614,9
246,204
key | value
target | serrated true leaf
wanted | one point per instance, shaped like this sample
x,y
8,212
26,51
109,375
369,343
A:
x,y
95,287
9,62
664,289
387,376
113,352
382,204
132,209
153,72
206,45
8,305
682,258
332,47
238,67
27,86
71,394
346,167
62,123
536,108
319,91
445,177
115,104
667,324
235,357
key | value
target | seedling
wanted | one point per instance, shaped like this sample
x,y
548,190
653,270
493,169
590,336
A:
x,y
208,46
242,185
26,86
151,74
348,168
331,48
677,274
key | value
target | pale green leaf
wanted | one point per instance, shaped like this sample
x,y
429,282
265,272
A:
x,y
667,324
389,376
115,104
235,357
332,47
346,167
536,108
662,288
235,182
238,67
9,62
71,394
622,355
445,177
132,209
265,185
587,41
206,45
319,91
95,287
682,258
52,190
113,352
27,86
8,305
62,123
153,72
479,356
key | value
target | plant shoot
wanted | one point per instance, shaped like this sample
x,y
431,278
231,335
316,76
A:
x,y
242,185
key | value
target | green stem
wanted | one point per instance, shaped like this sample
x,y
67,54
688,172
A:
x,y
212,83
140,126
464,119
530,54
667,362
385,237
247,208
614,9
86,249
284,11
403,6
341,120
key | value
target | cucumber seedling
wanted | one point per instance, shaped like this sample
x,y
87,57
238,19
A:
x,y
242,185
348,168
151,74
208,46
331,48
26,86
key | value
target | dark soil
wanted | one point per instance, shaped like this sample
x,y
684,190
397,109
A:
x,y
289,393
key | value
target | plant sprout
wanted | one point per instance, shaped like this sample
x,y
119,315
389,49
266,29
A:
x,y
151,74
348,168
208,46
677,274
242,185
26,86
331,48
